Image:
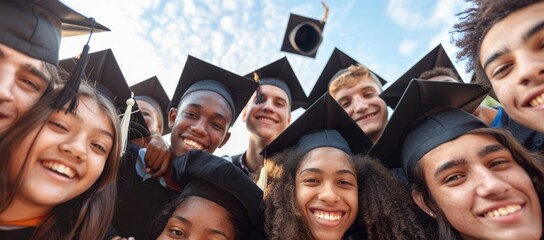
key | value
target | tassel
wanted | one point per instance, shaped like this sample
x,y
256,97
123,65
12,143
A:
x,y
125,122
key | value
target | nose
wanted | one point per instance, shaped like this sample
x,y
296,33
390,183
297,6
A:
x,y
268,106
7,82
198,128
75,147
491,185
328,194
530,68
359,105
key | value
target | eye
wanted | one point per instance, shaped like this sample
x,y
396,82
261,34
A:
x,y
189,115
345,182
217,126
311,180
30,84
58,125
369,94
345,104
99,147
177,233
499,164
501,71
453,178
146,114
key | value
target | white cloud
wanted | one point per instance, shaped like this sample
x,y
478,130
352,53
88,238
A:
x,y
406,15
407,47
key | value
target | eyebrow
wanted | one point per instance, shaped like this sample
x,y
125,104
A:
x,y
317,170
450,164
216,114
490,149
526,36
31,69
181,219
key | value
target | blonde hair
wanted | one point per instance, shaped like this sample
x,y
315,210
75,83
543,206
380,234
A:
x,y
352,76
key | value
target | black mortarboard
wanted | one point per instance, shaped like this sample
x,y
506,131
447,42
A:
x,y
34,27
336,66
218,180
152,88
424,119
324,124
105,73
302,36
199,75
281,74
435,58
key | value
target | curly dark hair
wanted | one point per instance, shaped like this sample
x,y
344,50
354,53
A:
x,y
532,163
474,23
386,210
440,71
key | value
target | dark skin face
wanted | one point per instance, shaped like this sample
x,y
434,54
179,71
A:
x,y
200,122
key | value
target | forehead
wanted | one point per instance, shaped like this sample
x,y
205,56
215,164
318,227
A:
x,y
145,105
515,24
194,207
465,147
442,78
273,91
20,58
209,100
361,83
326,158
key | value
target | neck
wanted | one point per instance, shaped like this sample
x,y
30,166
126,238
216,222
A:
x,y
20,210
253,160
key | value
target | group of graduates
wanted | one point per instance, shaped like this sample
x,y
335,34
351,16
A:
x,y
85,156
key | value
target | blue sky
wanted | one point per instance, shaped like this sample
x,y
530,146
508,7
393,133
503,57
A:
x,y
154,37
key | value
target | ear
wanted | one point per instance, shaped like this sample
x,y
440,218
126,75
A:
x,y
288,117
172,114
418,198
227,136
244,114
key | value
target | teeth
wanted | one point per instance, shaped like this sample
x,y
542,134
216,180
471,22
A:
x,y
60,168
327,216
503,211
193,144
537,101
266,120
369,116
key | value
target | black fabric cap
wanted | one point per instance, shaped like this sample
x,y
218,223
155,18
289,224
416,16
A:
x,y
34,27
216,179
152,88
281,74
435,58
336,66
308,35
199,75
438,126
307,132
105,73
420,97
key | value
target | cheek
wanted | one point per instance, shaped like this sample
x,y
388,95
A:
x,y
94,170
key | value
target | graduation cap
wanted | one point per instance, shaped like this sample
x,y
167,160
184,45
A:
x,y
302,36
336,66
324,124
35,27
281,74
435,58
152,89
106,74
429,114
207,176
199,75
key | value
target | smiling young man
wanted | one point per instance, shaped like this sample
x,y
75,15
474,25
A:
x,y
357,90
506,52
30,34
268,112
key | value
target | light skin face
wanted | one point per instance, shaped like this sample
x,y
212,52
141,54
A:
x,y
67,157
366,108
326,192
199,218
23,80
514,63
151,116
201,122
483,192
442,78
268,119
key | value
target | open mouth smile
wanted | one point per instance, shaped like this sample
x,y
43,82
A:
x,y
503,211
60,169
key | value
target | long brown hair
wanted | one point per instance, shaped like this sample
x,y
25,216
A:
x,y
89,214
532,163
384,212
